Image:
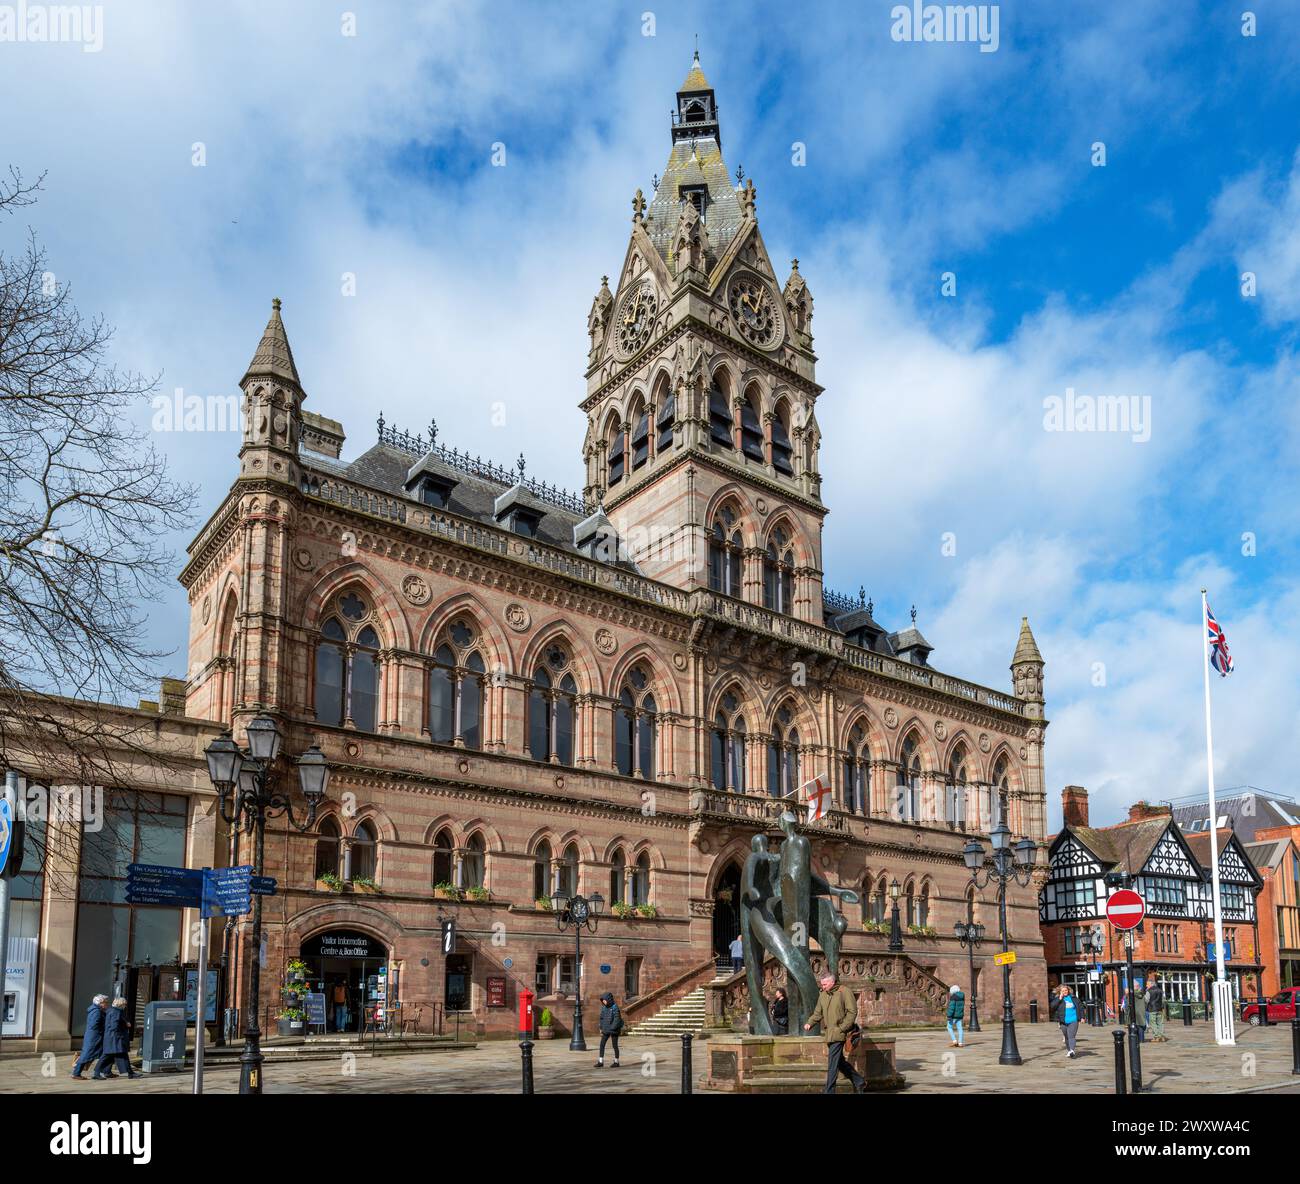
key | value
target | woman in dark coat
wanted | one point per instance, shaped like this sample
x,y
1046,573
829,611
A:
x,y
117,1042
92,1043
781,1013
611,1026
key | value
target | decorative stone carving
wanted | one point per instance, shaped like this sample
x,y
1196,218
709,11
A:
x,y
606,642
302,557
891,718
1024,753
416,590
517,617
940,729
986,744
207,608
679,660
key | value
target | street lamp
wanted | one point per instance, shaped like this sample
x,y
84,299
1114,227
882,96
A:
x,y
1091,945
895,929
248,790
577,913
971,934
1009,863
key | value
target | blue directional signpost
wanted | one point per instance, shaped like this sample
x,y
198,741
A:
x,y
215,892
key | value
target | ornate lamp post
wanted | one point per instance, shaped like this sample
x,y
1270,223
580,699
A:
x,y
1008,864
970,934
1091,945
577,913
248,789
895,929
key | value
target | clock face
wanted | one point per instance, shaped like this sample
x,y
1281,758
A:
x,y
634,321
754,312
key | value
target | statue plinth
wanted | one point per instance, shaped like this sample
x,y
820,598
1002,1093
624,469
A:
x,y
737,1063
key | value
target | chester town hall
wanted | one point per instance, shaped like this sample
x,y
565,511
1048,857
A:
x,y
523,692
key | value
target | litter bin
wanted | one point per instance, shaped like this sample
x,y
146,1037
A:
x,y
162,1045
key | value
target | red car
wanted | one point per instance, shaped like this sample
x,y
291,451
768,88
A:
x,y
1281,1008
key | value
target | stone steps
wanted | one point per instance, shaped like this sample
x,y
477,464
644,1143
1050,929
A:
x,y
686,1015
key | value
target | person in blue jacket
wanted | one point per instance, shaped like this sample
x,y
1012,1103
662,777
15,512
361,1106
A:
x,y
955,1015
117,1042
1067,1015
92,1043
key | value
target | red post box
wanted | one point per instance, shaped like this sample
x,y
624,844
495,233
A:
x,y
526,1012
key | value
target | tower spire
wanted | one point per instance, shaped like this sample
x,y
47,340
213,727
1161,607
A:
x,y
273,358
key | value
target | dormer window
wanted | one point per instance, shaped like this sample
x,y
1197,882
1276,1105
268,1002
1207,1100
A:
x,y
434,492
524,522
697,195
427,482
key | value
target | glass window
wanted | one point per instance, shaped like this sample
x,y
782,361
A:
x,y
363,852
616,869
641,879
542,870
474,862
327,848
631,978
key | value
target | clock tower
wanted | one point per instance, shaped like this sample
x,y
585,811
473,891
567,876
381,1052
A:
x,y
702,438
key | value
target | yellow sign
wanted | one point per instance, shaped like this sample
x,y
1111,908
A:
x,y
1006,959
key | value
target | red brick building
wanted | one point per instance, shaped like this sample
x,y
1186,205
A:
x,y
1170,871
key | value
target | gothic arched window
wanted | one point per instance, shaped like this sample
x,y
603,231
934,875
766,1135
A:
x,y
956,812
634,727
751,431
782,450
364,858
725,550
616,869
909,904
456,680
347,668
728,763
857,772
923,906
664,421
569,870
1002,788
542,870
552,708
778,573
473,865
879,903
327,848
720,422
639,444
783,756
617,452
641,879
442,858
909,780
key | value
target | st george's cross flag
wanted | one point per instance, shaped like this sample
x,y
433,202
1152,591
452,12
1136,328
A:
x,y
817,796
1220,659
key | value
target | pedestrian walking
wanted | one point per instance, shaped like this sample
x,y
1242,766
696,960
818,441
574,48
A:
x,y
1140,1014
837,1012
956,1013
611,1027
1067,1015
781,1013
117,1042
1156,1008
92,1043
737,955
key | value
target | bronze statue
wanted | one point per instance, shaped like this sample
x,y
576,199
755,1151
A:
x,y
777,915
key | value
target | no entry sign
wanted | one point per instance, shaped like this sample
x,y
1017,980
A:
x,y
1125,909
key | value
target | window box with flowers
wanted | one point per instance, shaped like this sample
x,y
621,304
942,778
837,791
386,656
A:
x,y
329,882
646,910
478,892
881,927
364,884
623,910
543,903
446,890
922,931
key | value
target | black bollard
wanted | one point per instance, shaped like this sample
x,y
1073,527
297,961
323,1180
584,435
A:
x,y
1121,1083
687,1083
1263,1012
526,1054
1187,1014
1033,1011
1135,1059
1295,1045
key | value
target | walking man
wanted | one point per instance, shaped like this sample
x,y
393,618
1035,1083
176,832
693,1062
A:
x,y
1156,1008
837,1012
737,955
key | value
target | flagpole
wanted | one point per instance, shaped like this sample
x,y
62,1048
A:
x,y
1223,1018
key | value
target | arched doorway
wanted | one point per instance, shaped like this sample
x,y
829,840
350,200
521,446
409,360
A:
x,y
726,911
350,969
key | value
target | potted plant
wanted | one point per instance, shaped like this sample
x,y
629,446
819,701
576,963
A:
x,y
543,903
446,890
623,909
295,973
477,892
330,882
545,1026
922,930
365,883
292,1021
646,910
881,927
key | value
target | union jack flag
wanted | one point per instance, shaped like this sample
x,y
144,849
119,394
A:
x,y
1220,659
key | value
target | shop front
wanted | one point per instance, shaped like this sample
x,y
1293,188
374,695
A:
x,y
351,970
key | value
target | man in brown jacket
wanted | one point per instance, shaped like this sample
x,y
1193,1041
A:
x,y
837,1012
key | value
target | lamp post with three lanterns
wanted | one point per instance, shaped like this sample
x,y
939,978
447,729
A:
x,y
249,790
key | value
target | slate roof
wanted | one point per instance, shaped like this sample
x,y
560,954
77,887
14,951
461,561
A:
x,y
1246,813
1126,846
1268,853
695,162
1026,646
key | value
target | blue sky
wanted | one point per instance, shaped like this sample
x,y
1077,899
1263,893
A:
x,y
371,155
